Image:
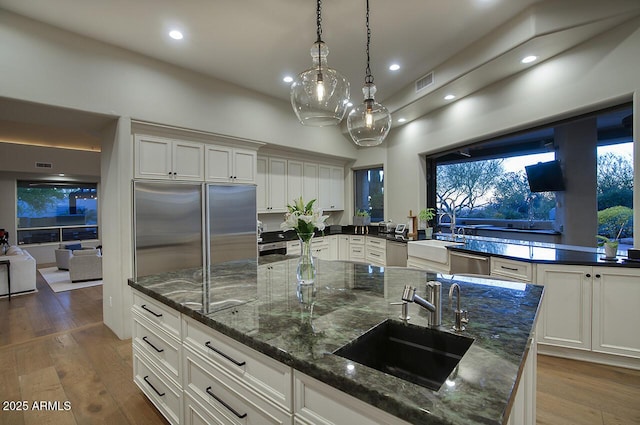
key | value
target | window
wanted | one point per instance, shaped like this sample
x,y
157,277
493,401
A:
x,y
485,184
369,192
56,211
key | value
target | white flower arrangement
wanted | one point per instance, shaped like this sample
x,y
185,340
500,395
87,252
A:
x,y
303,218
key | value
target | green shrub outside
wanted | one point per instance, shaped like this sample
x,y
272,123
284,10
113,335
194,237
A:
x,y
610,220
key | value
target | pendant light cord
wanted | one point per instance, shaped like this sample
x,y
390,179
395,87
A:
x,y
368,79
319,33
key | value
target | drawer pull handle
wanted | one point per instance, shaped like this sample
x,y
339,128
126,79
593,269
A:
x,y
144,338
231,409
144,307
152,387
212,348
513,269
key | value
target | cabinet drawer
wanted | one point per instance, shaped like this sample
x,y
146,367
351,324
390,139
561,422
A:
x,y
165,317
376,255
514,269
356,240
254,369
356,252
225,397
318,403
165,395
377,243
157,345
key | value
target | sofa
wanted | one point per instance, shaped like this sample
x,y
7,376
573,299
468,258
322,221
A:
x,y
85,264
23,271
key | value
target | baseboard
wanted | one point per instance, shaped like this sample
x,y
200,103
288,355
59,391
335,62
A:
x,y
590,356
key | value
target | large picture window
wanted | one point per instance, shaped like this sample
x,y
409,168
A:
x,y
56,211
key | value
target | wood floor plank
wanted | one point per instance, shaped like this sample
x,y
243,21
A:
x,y
9,389
43,386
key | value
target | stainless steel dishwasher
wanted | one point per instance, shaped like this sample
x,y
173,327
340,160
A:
x,y
396,253
461,262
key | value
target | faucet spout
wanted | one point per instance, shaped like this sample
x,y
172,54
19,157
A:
x,y
409,295
461,316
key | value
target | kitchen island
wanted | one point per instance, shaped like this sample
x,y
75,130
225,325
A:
x,y
256,305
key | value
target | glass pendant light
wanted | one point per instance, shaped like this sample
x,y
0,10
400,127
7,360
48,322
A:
x,y
370,122
319,95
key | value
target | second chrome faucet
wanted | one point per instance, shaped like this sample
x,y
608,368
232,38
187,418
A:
x,y
433,304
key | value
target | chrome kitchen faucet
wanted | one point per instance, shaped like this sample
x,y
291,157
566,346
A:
x,y
462,317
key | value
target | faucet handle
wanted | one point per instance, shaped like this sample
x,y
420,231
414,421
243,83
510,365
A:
x,y
408,293
464,317
404,310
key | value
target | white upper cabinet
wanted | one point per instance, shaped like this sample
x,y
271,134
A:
x,y
167,159
225,164
272,184
295,181
310,181
330,188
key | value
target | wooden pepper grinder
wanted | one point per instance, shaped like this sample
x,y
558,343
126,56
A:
x,y
413,229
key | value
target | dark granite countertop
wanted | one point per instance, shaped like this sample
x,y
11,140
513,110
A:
x,y
349,299
540,252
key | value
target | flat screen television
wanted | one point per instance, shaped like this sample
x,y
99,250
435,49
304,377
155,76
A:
x,y
545,177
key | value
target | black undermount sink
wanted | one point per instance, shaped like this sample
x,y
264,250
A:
x,y
420,355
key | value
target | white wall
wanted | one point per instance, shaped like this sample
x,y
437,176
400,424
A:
x,y
598,73
46,65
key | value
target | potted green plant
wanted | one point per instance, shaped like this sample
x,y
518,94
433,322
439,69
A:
x,y
361,218
424,217
610,246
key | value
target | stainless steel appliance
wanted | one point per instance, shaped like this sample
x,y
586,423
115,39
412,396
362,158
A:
x,y
386,227
186,225
462,263
396,253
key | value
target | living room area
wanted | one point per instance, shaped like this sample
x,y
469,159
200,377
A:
x,y
49,218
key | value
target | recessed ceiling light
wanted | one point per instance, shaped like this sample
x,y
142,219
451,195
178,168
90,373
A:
x,y
288,79
449,97
529,59
394,67
402,119
176,35
349,104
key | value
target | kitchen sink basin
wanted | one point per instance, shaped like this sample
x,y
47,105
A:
x,y
420,355
431,249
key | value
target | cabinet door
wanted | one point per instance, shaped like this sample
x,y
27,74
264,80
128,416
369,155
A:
x,y
188,162
616,294
324,187
337,188
244,166
566,307
295,181
153,157
310,182
219,163
277,188
262,182
343,247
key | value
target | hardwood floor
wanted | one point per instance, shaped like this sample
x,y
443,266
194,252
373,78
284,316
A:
x,y
54,347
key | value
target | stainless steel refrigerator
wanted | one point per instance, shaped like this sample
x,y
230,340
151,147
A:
x,y
187,225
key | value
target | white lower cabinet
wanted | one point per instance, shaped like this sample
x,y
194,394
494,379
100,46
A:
x,y
226,398
517,270
375,251
616,295
565,315
356,248
523,408
317,403
590,310
343,247
165,394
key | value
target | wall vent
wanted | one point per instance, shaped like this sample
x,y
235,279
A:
x,y
44,165
424,82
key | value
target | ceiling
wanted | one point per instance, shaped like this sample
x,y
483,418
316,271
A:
x,y
255,43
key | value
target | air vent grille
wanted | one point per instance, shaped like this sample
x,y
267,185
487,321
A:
x,y
44,165
424,82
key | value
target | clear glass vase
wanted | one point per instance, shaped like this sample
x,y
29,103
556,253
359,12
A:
x,y
306,271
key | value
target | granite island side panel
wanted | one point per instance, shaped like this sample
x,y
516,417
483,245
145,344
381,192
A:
x,y
348,300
